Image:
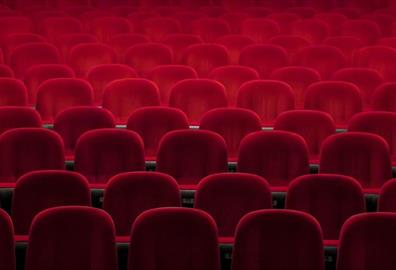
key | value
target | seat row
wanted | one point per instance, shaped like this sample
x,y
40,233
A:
x,y
79,237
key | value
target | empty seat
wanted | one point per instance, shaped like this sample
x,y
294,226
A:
x,y
66,42
366,242
184,236
197,96
227,197
73,122
25,56
29,149
313,126
340,99
330,198
361,155
232,77
158,28
347,44
14,25
260,30
122,42
303,11
12,92
105,28
38,74
101,75
284,20
387,41
40,190
14,40
332,19
386,197
7,247
235,44
313,30
144,57
366,79
152,123
209,29
324,59
17,117
366,30
56,95
265,58
235,20
123,200
103,153
299,78
186,18
90,15
233,124
278,156
54,27
190,155
6,71
124,96
272,244
165,76
267,98
292,44
380,58
178,42
86,235
383,98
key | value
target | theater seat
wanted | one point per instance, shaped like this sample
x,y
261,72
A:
x,y
209,29
53,27
105,28
383,98
12,92
386,197
364,29
313,30
260,30
235,44
7,246
18,117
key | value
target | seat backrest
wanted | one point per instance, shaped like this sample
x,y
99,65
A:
x,y
366,30
209,29
105,28
7,246
386,198
13,92
313,30
260,29
159,28
178,42
18,117
54,27
122,42
383,98
235,44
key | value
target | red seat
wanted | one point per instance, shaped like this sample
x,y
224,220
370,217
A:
x,y
66,42
89,16
383,98
197,96
331,199
29,149
190,155
122,97
123,200
361,155
14,40
25,56
278,156
234,44
152,123
158,28
6,71
265,58
227,197
7,247
264,240
313,30
40,190
86,234
186,18
105,28
14,25
71,3
56,95
387,42
260,30
366,30
299,78
340,99
313,126
386,198
366,242
38,74
179,42
292,44
83,57
332,19
233,124
73,122
122,42
304,12
267,98
144,57
18,117
205,57
12,92
325,59
235,20
166,76
366,79
53,27
210,29
101,75
347,44
184,236
284,20
103,153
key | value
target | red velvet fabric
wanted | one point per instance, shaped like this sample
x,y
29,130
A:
x,y
36,191
53,27
284,20
347,44
361,155
72,237
331,199
73,122
384,98
278,156
7,246
56,95
259,29
174,239
313,30
387,197
367,242
103,153
14,25
235,44
233,124
157,29
178,42
209,29
127,195
29,149
364,29
17,117
13,92
152,123
197,96
278,239
122,42
332,19
66,42
105,28
190,155
227,197
291,43
14,40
